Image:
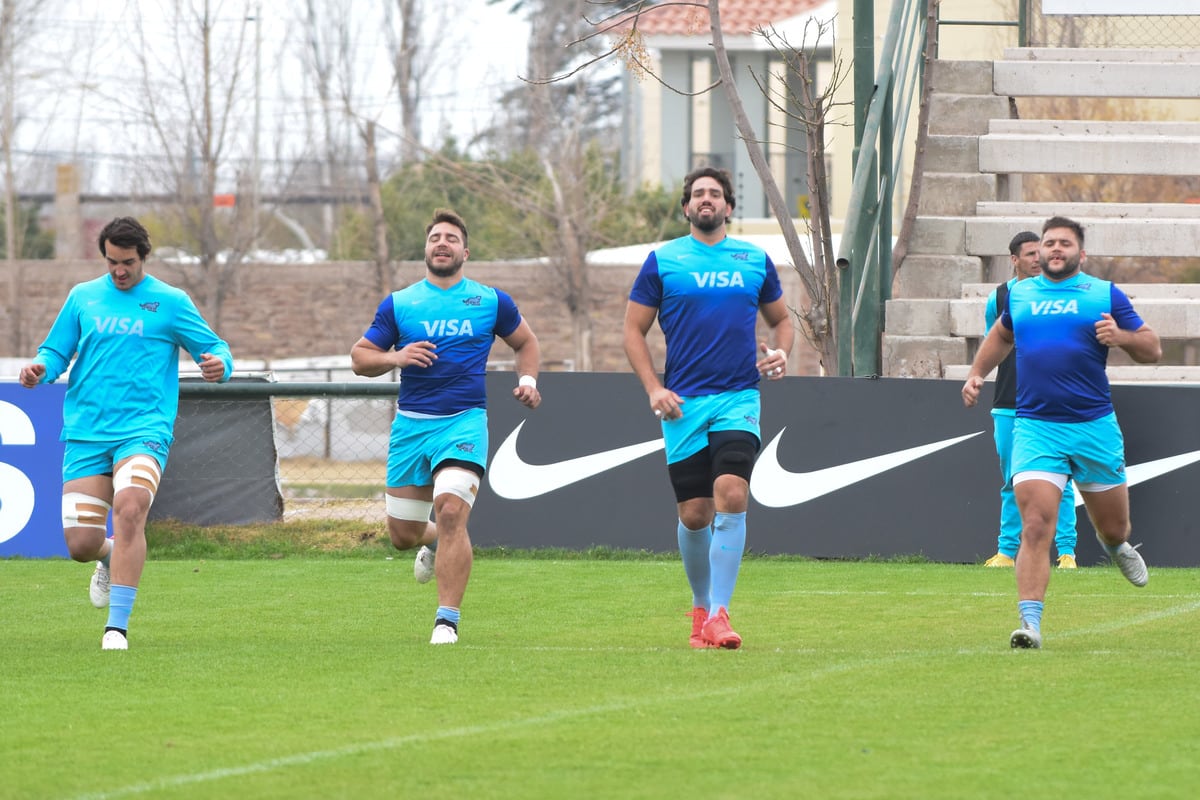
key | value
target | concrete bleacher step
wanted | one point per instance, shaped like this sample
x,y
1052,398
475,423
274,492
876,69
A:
x,y
1045,210
1101,77
1144,149
1117,373
987,235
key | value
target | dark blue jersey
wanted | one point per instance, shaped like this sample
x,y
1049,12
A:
x,y
708,297
1060,363
462,322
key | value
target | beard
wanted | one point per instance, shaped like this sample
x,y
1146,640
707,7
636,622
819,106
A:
x,y
1070,267
444,271
707,224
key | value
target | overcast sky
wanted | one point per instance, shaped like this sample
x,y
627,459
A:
x,y
77,69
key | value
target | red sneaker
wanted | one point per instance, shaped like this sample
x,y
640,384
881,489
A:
x,y
717,633
699,617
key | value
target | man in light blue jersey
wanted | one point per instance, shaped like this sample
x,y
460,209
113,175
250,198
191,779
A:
x,y
1026,263
1063,324
439,333
707,290
125,330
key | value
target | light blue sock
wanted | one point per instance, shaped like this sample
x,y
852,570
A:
x,y
725,556
693,549
432,546
1111,549
120,606
448,614
108,557
1031,612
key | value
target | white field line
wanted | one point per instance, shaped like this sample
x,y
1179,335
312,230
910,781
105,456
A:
x,y
391,743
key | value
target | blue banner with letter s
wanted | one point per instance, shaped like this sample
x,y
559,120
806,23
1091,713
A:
x,y
31,458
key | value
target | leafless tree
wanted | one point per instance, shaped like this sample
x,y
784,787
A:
x,y
818,312
194,65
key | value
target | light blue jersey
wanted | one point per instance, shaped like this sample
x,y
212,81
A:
x,y
708,298
462,322
1060,363
125,380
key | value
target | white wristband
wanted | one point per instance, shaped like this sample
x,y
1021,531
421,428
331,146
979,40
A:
x,y
527,380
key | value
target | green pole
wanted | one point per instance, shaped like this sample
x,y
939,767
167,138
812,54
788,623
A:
x,y
864,88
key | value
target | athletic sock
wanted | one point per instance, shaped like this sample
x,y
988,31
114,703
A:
x,y
725,556
120,606
448,616
1031,612
108,555
693,549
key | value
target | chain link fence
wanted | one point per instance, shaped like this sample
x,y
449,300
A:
x,y
1132,28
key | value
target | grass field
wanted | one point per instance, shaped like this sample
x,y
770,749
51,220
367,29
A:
x,y
311,677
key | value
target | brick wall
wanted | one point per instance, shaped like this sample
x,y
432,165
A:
x,y
276,311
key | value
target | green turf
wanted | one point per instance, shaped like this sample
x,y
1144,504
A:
x,y
312,677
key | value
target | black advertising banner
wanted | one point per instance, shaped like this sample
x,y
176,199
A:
x,y
849,468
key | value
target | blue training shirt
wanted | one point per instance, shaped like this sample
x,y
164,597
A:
x,y
708,298
1060,363
462,322
125,381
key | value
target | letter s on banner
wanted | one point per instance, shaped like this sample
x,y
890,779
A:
x,y
16,490
31,471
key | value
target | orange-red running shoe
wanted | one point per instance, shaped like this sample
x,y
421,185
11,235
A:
x,y
699,617
717,633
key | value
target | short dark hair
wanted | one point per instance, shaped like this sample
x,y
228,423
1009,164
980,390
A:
x,y
126,232
1022,238
446,215
721,176
1064,222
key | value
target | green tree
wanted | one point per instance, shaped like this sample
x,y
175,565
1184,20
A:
x,y
31,240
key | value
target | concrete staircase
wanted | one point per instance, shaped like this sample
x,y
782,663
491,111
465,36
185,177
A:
x,y
971,203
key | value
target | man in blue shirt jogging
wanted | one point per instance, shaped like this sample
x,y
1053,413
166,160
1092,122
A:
x,y
439,332
1062,324
124,330
707,290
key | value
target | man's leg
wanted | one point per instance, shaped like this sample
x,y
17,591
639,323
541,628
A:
x,y
1064,534
1038,500
135,482
1009,539
86,504
1109,512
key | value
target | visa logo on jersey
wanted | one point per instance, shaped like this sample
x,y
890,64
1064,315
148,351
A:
x,y
123,325
1042,308
718,280
448,327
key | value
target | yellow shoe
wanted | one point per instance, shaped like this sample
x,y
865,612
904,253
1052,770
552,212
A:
x,y
1067,561
1000,560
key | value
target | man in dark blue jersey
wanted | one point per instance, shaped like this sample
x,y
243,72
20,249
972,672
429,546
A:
x,y
1062,324
707,290
439,332
1024,252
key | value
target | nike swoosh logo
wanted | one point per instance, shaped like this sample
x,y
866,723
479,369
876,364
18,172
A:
x,y
1139,473
775,487
514,479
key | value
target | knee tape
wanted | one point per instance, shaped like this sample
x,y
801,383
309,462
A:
x,y
140,471
81,510
734,457
458,482
408,509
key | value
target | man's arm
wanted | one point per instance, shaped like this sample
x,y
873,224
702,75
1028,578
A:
x,y
995,348
1142,345
779,317
370,360
527,352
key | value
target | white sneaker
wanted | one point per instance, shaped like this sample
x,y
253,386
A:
x,y
423,565
1131,564
1025,638
444,634
100,587
114,640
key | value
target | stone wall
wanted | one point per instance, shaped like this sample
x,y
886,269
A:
x,y
278,311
